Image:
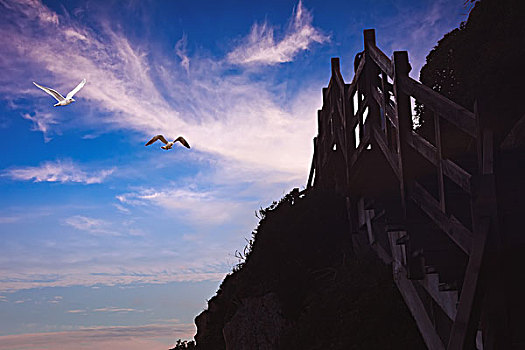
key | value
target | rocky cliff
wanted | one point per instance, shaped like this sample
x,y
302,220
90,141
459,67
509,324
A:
x,y
301,287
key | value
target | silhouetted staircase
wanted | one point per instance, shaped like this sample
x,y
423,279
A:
x,y
442,220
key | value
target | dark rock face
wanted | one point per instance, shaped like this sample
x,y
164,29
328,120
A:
x,y
302,288
258,323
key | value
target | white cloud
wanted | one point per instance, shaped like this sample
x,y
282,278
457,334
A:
x,y
32,9
260,47
114,309
198,207
114,275
181,51
233,118
256,143
41,122
91,225
56,299
76,311
58,171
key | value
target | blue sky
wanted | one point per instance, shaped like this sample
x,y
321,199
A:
x,y
104,241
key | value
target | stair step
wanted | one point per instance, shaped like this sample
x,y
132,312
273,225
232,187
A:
x,y
446,287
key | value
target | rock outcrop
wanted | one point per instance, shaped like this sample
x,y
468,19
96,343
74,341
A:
x,y
302,288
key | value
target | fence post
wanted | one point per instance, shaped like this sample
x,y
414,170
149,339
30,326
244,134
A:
x,y
415,265
371,79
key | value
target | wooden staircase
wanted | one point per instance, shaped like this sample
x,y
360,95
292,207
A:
x,y
432,214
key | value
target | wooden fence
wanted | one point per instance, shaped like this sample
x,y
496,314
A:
x,y
422,206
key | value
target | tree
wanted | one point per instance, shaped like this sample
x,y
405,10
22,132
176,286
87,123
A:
x,y
481,60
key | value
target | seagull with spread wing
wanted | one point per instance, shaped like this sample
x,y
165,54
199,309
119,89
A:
x,y
168,145
62,101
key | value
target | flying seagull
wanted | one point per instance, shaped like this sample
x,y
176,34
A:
x,y
169,145
62,101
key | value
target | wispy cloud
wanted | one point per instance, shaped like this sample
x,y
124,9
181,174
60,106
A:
x,y
32,9
199,207
260,47
91,225
9,219
152,336
56,299
58,171
253,135
215,110
42,121
203,270
76,311
181,51
418,29
114,309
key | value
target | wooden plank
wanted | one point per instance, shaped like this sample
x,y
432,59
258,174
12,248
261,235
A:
x,y
404,122
448,224
488,152
336,73
457,174
516,136
390,157
446,300
462,335
370,79
382,60
451,111
441,183
382,253
417,309
450,169
362,146
398,257
358,72
383,103
390,112
312,167
362,106
369,230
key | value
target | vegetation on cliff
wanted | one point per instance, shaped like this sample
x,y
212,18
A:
x,y
328,299
482,61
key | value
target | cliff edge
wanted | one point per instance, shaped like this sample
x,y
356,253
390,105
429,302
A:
x,y
301,287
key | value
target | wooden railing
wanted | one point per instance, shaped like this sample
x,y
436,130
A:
x,y
410,200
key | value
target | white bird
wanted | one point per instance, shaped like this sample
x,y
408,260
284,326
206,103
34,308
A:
x,y
168,145
62,101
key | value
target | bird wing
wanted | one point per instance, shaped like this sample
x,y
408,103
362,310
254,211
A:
x,y
183,141
155,138
77,89
52,92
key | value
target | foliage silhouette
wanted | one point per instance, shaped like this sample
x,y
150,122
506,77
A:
x,y
481,60
184,345
301,252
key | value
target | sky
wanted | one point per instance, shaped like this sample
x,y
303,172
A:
x,y
108,244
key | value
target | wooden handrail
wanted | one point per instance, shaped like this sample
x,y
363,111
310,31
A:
x,y
442,106
448,224
382,60
450,169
